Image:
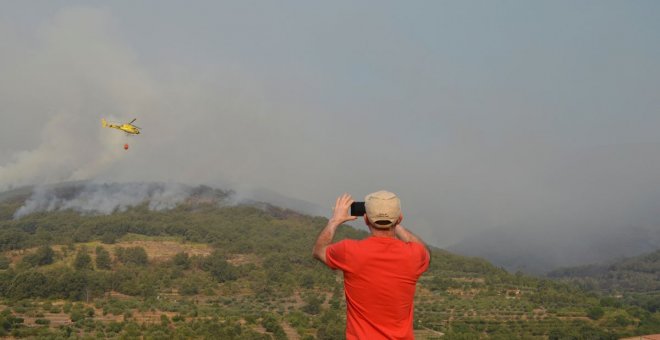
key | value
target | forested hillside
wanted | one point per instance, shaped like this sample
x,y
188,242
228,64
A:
x,y
635,280
210,269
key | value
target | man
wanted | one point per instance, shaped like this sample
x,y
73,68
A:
x,y
380,272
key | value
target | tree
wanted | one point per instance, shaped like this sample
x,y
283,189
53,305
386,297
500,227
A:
x,y
595,313
181,260
29,284
83,261
313,305
219,268
103,260
43,256
132,255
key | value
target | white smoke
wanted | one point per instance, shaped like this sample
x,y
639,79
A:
x,y
107,198
58,87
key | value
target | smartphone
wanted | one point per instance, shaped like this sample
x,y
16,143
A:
x,y
358,209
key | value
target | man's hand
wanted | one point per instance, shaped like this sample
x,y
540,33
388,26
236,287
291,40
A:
x,y
340,215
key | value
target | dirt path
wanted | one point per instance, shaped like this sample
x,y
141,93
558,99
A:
x,y
428,333
291,333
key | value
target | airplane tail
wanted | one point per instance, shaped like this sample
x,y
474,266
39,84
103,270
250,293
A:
x,y
104,123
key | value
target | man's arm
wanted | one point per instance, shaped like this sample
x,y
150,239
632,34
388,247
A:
x,y
406,235
324,239
339,216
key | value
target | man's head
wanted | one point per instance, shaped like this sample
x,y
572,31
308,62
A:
x,y
383,209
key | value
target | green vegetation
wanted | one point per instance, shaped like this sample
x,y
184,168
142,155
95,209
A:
x,y
633,281
632,275
246,272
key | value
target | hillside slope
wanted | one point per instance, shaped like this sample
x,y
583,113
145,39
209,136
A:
x,y
632,275
540,251
208,268
636,280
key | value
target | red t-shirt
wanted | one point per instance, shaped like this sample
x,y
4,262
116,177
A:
x,y
380,274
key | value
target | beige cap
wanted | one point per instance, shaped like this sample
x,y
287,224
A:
x,y
383,208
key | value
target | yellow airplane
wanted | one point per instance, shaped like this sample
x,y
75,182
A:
x,y
129,128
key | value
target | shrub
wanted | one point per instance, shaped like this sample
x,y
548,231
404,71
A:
x,y
42,321
595,313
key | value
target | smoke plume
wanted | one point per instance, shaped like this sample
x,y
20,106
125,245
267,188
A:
x,y
107,198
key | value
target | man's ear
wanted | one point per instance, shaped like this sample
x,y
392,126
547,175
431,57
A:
x,y
366,220
400,219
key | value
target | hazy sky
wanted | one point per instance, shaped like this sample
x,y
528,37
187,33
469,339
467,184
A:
x,y
479,114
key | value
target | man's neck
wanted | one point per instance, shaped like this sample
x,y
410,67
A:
x,y
383,232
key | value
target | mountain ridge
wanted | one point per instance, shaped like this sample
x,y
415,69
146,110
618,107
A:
x,y
538,252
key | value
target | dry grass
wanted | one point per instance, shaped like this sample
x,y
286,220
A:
x,y
469,279
157,249
241,259
427,334
464,293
